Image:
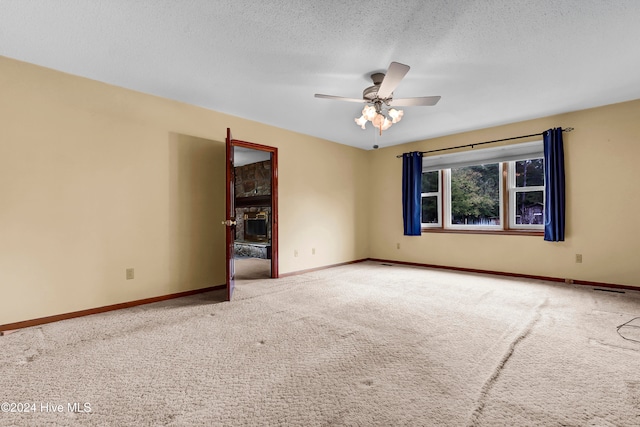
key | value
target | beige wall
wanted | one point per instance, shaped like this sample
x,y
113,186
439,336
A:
x,y
602,176
95,179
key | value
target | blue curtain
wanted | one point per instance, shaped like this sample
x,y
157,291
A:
x,y
411,192
554,206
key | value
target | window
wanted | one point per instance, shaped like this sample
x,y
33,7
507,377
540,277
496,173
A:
x,y
431,199
474,196
526,193
491,189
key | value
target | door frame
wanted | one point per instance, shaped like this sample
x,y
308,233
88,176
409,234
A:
x,y
274,198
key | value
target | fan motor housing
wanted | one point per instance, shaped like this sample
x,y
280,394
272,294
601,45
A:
x,y
371,93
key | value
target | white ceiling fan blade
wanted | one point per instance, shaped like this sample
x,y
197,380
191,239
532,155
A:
x,y
395,74
339,98
409,102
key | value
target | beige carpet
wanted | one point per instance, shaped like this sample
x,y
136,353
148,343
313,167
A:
x,y
365,344
252,268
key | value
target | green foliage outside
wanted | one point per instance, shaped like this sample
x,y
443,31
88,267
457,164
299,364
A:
x,y
475,195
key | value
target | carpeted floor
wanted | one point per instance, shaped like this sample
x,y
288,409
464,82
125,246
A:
x,y
252,268
365,344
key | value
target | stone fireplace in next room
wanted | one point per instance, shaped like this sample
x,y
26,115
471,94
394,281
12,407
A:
x,y
253,210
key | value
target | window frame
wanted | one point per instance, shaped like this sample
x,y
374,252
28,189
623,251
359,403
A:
x,y
438,195
447,206
512,189
507,205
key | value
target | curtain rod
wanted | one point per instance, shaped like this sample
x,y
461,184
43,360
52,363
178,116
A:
x,y
486,142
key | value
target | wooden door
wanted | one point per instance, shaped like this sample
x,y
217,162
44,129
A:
x,y
230,222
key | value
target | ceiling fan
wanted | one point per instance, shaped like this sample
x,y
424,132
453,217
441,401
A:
x,y
380,96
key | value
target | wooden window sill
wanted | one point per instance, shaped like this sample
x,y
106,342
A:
x,y
509,232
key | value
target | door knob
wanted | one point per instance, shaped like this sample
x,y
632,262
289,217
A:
x,y
229,223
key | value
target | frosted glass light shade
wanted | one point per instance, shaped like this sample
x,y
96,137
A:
x,y
396,115
378,119
369,112
361,121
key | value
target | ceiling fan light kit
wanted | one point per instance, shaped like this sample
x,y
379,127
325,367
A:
x,y
380,96
375,115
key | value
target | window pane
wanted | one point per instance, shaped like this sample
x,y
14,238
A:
x,y
530,173
475,195
430,181
430,210
529,207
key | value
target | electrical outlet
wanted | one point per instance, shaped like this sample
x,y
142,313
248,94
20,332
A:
x,y
130,273
579,258
295,252
397,245
313,251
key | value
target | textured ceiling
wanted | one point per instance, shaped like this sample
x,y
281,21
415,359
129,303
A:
x,y
492,61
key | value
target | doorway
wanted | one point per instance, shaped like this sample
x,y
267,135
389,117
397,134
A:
x,y
256,211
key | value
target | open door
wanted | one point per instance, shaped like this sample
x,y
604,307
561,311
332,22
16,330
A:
x,y
274,198
230,222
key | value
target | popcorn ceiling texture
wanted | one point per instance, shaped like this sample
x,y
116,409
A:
x,y
492,61
364,344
